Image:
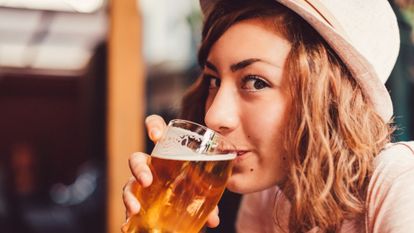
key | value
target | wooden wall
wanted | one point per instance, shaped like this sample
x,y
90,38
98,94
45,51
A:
x,y
125,102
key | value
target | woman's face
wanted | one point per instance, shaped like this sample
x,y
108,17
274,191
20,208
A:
x,y
248,100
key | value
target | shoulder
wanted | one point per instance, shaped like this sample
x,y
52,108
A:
x,y
392,166
390,191
394,160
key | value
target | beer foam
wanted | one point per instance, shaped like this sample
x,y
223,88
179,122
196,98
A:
x,y
196,157
174,145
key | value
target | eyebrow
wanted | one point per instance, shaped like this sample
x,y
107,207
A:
x,y
243,64
235,67
211,66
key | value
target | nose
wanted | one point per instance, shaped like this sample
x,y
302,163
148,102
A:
x,y
222,112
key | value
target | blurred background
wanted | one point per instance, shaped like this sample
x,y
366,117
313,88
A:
x,y
77,78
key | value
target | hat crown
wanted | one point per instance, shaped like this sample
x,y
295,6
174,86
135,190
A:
x,y
371,27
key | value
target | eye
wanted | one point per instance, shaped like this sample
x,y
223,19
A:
x,y
254,83
213,82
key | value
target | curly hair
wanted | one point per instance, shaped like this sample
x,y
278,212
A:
x,y
333,132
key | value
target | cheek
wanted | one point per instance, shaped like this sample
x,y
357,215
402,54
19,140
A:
x,y
265,123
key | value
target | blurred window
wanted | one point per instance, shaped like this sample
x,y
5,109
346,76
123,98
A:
x,y
81,6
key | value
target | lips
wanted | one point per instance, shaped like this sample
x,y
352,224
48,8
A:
x,y
241,152
241,155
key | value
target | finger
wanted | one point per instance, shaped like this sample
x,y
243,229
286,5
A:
x,y
138,163
213,219
155,126
131,203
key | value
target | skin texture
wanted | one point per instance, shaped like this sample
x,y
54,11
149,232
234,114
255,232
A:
x,y
247,103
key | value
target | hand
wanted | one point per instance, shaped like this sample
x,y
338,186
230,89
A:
x,y
142,177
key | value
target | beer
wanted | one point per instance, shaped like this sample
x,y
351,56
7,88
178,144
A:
x,y
190,165
182,190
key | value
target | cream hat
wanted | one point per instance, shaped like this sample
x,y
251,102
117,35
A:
x,y
364,33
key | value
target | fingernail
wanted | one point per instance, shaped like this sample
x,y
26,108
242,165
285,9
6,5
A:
x,y
135,207
155,133
143,176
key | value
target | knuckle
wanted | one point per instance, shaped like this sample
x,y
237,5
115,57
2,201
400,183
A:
x,y
135,156
137,159
136,167
154,121
152,118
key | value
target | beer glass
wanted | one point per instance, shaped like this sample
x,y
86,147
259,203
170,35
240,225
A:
x,y
190,165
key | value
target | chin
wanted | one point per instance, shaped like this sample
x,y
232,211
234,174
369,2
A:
x,y
241,184
236,189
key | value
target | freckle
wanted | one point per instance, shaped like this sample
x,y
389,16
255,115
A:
x,y
251,170
284,158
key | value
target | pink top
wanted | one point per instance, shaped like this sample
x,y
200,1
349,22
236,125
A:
x,y
390,199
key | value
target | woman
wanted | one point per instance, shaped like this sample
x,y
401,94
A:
x,y
298,87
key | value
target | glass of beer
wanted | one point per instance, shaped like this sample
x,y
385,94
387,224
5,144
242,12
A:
x,y
190,165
